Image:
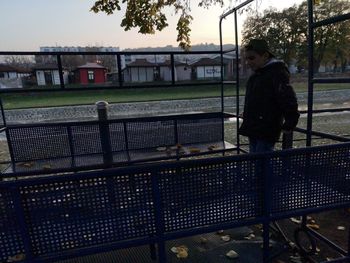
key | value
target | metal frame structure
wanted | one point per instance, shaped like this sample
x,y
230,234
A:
x,y
255,188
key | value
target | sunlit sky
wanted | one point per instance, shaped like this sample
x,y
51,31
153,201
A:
x,y
27,25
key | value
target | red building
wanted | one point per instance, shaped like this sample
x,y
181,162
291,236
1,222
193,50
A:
x,y
90,73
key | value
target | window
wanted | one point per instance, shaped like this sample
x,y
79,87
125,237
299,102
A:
x,y
91,76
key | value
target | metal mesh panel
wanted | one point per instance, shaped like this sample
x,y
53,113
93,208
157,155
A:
x,y
86,139
150,134
307,180
11,242
117,136
200,130
33,143
73,214
210,194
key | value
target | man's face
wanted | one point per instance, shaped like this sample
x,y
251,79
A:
x,y
256,61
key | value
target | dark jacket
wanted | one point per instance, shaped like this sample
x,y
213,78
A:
x,y
270,103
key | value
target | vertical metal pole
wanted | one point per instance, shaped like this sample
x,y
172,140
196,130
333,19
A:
x,y
172,63
265,162
310,72
60,71
222,84
104,133
120,75
2,113
28,249
159,215
222,68
237,85
9,145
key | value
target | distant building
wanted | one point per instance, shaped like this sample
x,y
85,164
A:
x,y
48,74
207,68
141,70
78,49
7,72
71,61
182,71
210,68
90,73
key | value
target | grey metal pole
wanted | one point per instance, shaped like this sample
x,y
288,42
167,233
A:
x,y
102,107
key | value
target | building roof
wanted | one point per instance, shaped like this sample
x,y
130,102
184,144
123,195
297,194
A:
x,y
142,62
207,62
7,68
167,63
91,65
45,67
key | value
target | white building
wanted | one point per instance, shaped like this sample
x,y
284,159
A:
x,y
49,75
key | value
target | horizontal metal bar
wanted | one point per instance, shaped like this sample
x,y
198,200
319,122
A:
x,y
229,50
327,241
326,110
185,116
230,82
235,9
55,53
331,20
324,135
331,80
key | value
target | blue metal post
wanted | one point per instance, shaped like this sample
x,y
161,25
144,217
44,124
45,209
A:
x,y
104,133
266,173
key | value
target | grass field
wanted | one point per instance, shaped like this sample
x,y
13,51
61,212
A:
x,y
65,98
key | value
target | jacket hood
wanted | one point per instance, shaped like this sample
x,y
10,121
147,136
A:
x,y
275,63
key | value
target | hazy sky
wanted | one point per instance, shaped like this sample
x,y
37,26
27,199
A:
x,y
28,24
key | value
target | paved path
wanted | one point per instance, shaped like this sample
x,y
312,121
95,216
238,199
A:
x,y
325,99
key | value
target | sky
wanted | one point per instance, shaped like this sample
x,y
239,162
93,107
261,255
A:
x,y
27,25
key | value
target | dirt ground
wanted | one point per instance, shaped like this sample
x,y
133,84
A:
x,y
330,225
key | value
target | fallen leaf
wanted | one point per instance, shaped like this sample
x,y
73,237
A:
x,y
46,166
232,254
220,232
294,220
250,236
226,238
28,165
194,150
203,240
182,252
161,149
16,258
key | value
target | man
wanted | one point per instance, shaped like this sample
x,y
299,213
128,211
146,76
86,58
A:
x,y
270,102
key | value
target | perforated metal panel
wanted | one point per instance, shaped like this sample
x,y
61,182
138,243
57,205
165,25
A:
x,y
11,243
73,214
212,193
309,180
199,130
86,139
150,134
117,135
33,143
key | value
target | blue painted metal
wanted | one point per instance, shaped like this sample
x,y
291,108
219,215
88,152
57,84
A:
x,y
157,202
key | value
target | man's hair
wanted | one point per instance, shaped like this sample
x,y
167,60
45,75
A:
x,y
260,46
